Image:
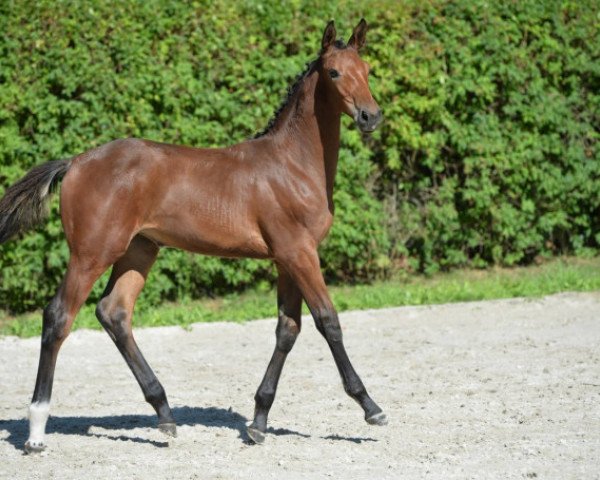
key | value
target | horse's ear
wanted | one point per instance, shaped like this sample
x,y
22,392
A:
x,y
359,35
328,35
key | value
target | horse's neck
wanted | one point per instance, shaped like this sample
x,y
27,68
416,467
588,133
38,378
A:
x,y
312,122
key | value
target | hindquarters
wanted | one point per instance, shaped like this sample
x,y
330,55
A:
x,y
105,197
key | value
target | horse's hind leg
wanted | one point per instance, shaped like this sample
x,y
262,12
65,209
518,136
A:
x,y
57,320
289,303
114,313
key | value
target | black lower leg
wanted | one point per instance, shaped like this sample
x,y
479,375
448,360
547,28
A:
x,y
289,302
352,382
328,325
117,327
53,334
153,391
266,392
287,331
54,331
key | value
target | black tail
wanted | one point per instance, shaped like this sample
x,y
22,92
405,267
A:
x,y
24,204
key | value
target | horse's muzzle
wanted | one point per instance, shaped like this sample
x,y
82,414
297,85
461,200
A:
x,y
367,121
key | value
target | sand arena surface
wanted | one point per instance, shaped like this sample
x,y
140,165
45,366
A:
x,y
500,389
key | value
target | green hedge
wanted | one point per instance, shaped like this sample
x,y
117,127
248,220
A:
x,y
491,156
488,153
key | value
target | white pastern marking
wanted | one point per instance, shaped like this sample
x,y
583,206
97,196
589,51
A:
x,y
38,416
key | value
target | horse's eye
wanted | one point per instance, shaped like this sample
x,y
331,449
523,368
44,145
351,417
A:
x,y
333,73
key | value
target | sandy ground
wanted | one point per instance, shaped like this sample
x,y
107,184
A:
x,y
501,389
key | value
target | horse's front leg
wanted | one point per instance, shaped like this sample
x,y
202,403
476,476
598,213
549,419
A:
x,y
289,303
304,268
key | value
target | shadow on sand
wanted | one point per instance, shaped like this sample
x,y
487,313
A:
x,y
84,426
209,417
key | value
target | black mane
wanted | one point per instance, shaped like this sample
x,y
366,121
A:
x,y
290,93
339,44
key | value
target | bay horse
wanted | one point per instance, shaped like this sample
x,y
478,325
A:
x,y
270,197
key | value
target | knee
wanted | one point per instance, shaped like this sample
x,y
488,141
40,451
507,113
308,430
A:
x,y
328,324
55,323
287,332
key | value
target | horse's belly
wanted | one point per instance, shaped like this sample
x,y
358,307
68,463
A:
x,y
211,242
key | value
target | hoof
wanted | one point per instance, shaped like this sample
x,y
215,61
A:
x,y
32,447
255,435
378,419
169,429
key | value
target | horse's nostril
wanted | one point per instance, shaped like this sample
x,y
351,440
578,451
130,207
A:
x,y
364,115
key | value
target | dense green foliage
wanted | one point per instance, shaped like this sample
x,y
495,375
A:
x,y
488,153
492,155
